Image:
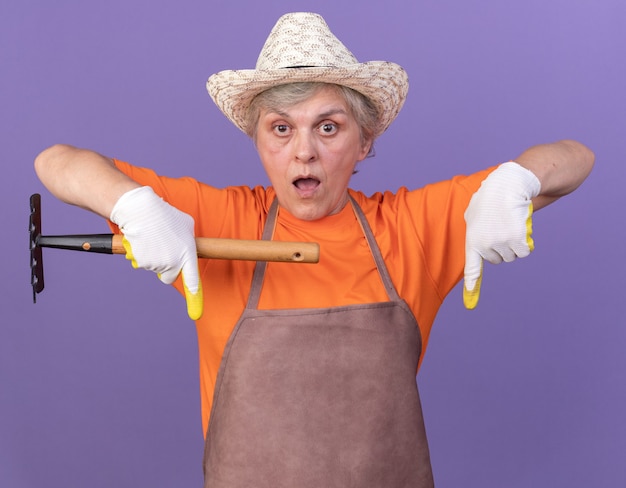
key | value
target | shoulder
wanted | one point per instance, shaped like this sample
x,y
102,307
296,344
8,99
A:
x,y
461,186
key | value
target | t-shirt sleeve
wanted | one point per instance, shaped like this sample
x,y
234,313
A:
x,y
431,230
231,212
437,222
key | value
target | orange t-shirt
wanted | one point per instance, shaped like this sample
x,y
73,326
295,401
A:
x,y
421,235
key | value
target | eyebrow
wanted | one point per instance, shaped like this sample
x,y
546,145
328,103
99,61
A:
x,y
333,111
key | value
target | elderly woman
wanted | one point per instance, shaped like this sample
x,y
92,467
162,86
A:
x,y
308,375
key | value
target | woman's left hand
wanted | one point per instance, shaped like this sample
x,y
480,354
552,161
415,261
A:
x,y
499,224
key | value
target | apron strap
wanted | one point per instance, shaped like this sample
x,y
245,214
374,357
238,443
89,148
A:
x,y
259,269
375,250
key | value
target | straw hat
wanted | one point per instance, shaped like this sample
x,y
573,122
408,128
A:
x,y
300,48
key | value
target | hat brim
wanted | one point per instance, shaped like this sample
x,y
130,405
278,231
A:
x,y
384,83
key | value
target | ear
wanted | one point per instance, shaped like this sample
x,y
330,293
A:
x,y
366,148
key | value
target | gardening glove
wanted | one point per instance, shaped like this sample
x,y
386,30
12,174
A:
x,y
160,238
499,224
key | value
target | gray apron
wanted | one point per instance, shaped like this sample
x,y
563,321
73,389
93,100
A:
x,y
322,397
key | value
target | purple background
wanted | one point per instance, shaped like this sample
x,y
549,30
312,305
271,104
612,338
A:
x,y
99,381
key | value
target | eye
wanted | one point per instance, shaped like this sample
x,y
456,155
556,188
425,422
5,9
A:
x,y
281,129
328,128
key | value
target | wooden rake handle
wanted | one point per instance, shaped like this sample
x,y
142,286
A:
x,y
247,250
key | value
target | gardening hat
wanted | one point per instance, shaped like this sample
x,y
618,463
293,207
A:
x,y
301,48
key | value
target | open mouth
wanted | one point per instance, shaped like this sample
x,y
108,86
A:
x,y
306,184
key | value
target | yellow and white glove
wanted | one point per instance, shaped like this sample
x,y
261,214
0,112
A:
x,y
160,238
499,223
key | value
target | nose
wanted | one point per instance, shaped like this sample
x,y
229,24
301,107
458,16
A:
x,y
304,147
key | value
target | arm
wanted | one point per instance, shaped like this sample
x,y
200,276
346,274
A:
x,y
561,167
498,217
83,178
157,236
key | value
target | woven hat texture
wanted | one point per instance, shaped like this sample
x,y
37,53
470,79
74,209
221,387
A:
x,y
302,48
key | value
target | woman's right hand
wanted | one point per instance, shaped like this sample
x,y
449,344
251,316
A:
x,y
160,238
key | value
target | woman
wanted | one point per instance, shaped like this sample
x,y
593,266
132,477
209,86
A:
x,y
308,375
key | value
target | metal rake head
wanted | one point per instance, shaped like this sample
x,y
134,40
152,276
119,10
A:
x,y
36,254
98,243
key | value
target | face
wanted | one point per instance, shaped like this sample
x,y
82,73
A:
x,y
309,152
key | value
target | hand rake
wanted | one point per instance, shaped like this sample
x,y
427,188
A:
x,y
213,248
